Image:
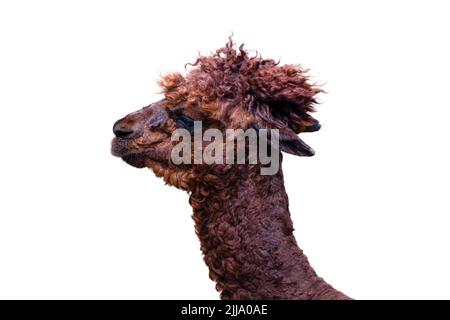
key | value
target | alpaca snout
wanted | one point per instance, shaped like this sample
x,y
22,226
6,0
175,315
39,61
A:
x,y
124,129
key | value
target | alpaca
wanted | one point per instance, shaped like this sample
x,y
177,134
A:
x,y
241,217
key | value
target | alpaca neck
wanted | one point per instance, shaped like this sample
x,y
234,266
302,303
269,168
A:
x,y
245,229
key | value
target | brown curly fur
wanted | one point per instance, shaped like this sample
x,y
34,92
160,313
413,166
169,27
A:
x,y
239,90
241,217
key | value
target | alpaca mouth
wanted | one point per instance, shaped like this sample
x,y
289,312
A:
x,y
137,159
133,158
118,149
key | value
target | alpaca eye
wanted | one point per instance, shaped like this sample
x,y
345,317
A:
x,y
183,121
155,121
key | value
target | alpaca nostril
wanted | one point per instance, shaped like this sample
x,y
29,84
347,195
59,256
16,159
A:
x,y
122,131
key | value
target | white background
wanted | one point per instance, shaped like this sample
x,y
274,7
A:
x,y
371,209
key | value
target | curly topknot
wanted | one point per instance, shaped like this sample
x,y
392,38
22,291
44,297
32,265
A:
x,y
230,85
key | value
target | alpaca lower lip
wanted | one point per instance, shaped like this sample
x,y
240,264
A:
x,y
120,148
117,149
128,156
131,157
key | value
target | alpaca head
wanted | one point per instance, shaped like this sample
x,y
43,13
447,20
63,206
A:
x,y
227,90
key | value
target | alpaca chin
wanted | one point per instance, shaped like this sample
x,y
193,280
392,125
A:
x,y
136,160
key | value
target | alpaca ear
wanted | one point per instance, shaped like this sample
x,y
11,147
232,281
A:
x,y
291,143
